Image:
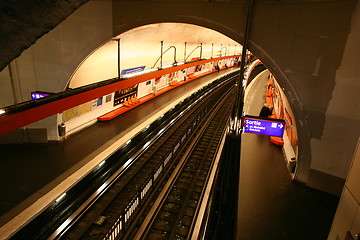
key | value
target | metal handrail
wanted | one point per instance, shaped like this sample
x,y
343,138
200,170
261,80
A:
x,y
200,46
162,53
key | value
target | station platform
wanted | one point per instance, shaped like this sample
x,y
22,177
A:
x,y
271,206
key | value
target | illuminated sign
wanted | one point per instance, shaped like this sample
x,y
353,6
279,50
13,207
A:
x,y
264,126
38,95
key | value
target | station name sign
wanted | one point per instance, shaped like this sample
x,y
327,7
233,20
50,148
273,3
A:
x,y
264,126
132,70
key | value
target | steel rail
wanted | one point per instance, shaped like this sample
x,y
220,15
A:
x,y
171,182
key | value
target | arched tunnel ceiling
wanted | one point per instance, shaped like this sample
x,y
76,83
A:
x,y
176,32
141,47
23,22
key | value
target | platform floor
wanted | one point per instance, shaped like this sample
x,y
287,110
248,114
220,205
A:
x,y
271,206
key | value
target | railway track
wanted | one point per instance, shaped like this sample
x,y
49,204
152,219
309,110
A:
x,y
132,185
174,216
119,209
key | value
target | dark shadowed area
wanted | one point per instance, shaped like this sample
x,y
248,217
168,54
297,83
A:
x,y
23,22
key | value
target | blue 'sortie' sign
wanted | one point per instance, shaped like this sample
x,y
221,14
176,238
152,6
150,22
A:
x,y
264,126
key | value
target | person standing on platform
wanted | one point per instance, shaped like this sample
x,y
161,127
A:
x,y
266,111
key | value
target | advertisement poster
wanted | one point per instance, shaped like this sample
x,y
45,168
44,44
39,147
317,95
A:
x,y
125,94
190,70
108,98
70,114
162,81
77,111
